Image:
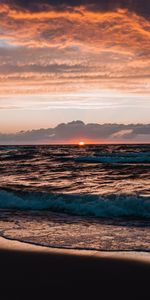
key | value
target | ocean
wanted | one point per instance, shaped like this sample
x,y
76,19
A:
x,y
79,197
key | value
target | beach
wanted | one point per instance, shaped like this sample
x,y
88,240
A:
x,y
30,269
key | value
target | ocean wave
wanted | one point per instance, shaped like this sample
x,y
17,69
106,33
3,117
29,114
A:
x,y
133,157
109,206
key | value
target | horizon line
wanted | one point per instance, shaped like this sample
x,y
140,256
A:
x,y
74,144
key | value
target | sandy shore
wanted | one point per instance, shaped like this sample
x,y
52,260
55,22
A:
x,y
33,269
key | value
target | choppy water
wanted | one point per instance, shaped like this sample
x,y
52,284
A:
x,y
96,196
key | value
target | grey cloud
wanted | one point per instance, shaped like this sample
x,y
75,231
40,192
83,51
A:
x,y
77,129
141,7
52,68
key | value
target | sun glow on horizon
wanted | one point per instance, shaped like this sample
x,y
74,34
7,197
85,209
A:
x,y
81,143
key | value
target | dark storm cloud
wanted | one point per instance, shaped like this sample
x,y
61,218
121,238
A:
x,y
76,130
139,6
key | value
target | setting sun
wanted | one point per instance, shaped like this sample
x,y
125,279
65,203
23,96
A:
x,y
81,143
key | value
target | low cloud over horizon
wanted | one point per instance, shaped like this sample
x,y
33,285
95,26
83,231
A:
x,y
76,131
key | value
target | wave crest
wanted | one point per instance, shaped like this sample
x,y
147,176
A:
x,y
110,206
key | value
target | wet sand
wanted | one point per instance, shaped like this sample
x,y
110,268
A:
x,y
30,272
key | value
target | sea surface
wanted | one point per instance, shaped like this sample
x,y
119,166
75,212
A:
x,y
81,197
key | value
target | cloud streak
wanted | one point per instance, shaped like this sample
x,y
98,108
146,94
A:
x,y
140,7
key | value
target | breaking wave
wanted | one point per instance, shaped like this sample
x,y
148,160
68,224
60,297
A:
x,y
109,206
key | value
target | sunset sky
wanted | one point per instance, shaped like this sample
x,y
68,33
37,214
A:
x,y
67,60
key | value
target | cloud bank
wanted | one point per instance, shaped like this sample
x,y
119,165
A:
x,y
75,131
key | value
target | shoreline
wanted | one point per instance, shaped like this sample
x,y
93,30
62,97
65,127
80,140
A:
x,y
14,244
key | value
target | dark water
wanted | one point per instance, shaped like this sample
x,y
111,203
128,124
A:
x,y
96,196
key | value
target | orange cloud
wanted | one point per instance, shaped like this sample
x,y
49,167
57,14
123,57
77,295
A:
x,y
81,46
119,29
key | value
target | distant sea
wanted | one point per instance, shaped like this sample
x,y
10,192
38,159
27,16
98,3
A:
x,y
80,197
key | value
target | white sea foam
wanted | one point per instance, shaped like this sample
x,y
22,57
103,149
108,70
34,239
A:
x,y
84,205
